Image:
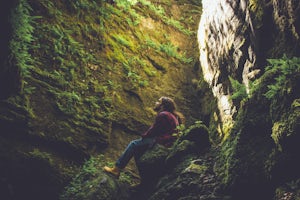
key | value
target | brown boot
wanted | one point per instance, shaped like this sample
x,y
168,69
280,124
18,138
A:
x,y
113,170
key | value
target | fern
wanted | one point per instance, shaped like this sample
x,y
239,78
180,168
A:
x,y
22,38
161,13
66,101
169,49
239,90
284,68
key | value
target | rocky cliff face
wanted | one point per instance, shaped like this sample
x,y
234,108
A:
x,y
227,48
235,39
81,77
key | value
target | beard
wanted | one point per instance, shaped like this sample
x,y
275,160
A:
x,y
157,107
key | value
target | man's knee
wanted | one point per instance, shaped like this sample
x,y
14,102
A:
x,y
133,143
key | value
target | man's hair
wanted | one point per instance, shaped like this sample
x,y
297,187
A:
x,y
170,106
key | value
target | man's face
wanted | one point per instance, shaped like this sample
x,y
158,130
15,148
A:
x,y
158,105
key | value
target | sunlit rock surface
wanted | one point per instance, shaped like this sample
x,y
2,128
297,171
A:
x,y
226,41
236,37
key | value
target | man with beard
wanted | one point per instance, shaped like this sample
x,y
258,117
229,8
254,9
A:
x,y
163,131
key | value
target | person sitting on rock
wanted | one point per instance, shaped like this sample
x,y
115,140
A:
x,y
163,131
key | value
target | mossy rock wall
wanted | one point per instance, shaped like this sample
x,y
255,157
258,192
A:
x,y
80,77
237,40
261,153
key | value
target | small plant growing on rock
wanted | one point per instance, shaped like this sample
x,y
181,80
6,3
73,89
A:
x,y
283,69
239,90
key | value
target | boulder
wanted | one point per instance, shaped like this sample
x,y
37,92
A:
x,y
151,164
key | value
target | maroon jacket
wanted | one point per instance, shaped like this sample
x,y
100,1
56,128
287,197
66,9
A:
x,y
164,126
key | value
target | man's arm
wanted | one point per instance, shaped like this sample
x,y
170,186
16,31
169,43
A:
x,y
158,127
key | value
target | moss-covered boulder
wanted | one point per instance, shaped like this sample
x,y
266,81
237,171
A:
x,y
92,183
191,178
179,151
152,165
194,139
198,133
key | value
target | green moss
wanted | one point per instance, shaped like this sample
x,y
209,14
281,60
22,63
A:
x,y
160,12
154,154
286,128
19,108
66,102
257,9
123,40
277,132
196,168
37,154
70,41
226,129
22,39
227,161
92,183
295,104
248,153
76,189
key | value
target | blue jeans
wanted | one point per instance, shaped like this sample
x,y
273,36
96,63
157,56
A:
x,y
135,149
